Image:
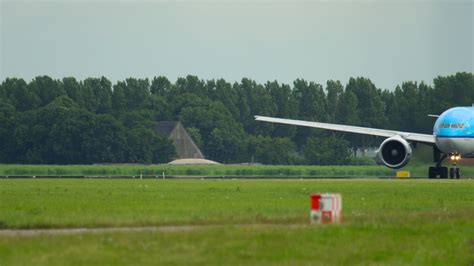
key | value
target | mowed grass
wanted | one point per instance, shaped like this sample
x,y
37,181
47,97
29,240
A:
x,y
250,222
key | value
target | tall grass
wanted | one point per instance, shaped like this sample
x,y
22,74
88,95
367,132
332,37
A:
x,y
211,170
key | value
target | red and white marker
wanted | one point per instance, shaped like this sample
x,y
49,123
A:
x,y
326,208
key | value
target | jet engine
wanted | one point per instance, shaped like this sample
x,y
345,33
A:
x,y
394,152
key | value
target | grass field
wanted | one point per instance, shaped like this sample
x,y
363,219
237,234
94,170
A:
x,y
250,222
213,170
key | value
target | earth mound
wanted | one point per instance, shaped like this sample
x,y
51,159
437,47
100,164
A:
x,y
192,161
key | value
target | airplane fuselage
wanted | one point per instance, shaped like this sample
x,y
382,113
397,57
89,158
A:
x,y
454,131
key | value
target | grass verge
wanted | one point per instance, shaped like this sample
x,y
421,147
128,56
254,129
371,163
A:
x,y
419,222
212,170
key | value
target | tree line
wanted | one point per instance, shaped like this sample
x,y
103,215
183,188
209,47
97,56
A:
x,y
70,121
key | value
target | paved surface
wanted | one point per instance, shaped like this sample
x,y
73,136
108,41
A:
x,y
72,231
164,228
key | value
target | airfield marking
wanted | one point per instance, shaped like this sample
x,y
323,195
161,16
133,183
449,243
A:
x,y
164,228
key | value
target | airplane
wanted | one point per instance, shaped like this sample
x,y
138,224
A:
x,y
453,138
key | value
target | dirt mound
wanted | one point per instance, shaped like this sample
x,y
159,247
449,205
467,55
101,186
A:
x,y
192,161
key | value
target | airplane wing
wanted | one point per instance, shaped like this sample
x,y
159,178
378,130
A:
x,y
423,138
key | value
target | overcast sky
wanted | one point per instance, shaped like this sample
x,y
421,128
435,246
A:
x,y
387,41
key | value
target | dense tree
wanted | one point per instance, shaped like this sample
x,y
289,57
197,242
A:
x,y
136,91
222,136
268,150
311,100
258,100
311,106
370,106
74,90
7,122
37,133
327,151
370,109
334,91
457,90
19,94
286,107
145,146
224,145
346,113
46,89
160,86
69,121
97,95
108,141
411,111
69,137
190,84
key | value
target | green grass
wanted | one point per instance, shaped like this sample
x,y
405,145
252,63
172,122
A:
x,y
428,222
212,170
184,170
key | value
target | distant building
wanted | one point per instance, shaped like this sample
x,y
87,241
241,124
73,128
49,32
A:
x,y
185,146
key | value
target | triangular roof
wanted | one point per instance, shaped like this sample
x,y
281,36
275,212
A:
x,y
184,144
165,127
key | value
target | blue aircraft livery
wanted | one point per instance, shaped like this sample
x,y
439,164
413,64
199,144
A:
x,y
454,131
457,122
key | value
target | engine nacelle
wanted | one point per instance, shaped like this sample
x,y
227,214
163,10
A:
x,y
394,152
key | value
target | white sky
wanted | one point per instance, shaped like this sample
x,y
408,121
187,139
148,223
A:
x,y
387,41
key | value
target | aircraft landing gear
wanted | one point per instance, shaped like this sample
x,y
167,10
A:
x,y
441,171
454,172
438,170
